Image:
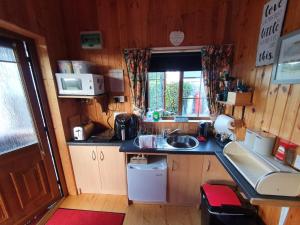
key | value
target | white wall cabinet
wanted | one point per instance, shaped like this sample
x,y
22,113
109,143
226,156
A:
x,y
99,170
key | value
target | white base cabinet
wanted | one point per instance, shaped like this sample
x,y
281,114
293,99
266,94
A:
x,y
99,170
184,179
112,170
214,172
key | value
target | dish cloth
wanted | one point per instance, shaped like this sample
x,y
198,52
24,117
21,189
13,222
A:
x,y
147,141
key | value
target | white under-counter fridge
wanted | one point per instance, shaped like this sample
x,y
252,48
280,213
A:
x,y
148,182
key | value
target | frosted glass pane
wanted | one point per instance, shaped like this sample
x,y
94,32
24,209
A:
x,y
16,124
7,54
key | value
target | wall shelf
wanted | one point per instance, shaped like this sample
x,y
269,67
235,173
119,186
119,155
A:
x,y
101,99
238,99
81,96
232,104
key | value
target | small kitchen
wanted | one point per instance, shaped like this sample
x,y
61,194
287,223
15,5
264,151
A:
x,y
151,112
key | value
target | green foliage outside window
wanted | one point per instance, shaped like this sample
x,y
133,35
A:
x,y
163,95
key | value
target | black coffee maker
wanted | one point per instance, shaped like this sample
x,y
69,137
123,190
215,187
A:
x,y
126,126
204,131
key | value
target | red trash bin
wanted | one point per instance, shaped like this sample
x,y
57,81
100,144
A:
x,y
220,205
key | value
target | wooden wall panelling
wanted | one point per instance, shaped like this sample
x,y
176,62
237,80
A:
x,y
270,121
137,23
271,99
244,41
293,217
228,110
250,115
277,115
3,210
296,131
277,110
270,215
238,112
290,114
260,103
250,110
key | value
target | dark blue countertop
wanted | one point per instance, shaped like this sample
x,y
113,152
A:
x,y
212,148
205,148
95,143
247,188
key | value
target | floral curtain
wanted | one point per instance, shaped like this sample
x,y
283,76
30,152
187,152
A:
x,y
137,61
216,60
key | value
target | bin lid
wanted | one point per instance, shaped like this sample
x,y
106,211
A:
x,y
219,195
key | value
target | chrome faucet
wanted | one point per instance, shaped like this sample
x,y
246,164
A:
x,y
168,132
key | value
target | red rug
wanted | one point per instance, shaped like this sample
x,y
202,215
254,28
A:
x,y
85,217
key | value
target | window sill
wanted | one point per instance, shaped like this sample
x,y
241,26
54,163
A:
x,y
173,121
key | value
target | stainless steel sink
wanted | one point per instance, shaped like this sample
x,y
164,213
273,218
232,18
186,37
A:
x,y
182,141
174,142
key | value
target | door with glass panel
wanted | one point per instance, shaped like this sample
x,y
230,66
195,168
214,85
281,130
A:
x,y
28,183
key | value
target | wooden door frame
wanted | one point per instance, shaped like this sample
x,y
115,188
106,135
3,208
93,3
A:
x,y
42,68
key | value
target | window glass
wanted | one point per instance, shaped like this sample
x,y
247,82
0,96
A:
x,y
16,129
156,91
164,93
194,101
191,84
172,92
195,107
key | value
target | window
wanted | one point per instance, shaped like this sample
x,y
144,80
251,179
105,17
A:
x,y
17,129
177,93
176,86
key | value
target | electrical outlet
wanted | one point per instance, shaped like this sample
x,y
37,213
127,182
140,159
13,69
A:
x,y
119,99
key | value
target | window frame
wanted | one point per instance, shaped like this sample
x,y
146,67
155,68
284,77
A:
x,y
180,96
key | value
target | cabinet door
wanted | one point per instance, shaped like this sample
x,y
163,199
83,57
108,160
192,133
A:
x,y
86,168
112,170
214,172
184,179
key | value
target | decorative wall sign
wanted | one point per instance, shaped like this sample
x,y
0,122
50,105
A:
x,y
91,40
176,37
286,68
270,29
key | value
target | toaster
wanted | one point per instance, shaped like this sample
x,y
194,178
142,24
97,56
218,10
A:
x,y
83,132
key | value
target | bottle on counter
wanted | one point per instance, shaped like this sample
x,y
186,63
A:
x,y
156,116
149,115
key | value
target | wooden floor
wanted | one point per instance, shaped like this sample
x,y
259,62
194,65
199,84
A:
x,y
136,214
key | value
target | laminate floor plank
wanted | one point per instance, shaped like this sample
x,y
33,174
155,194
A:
x,y
136,214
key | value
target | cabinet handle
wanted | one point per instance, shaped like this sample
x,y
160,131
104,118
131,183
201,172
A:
x,y
173,162
101,156
208,166
93,155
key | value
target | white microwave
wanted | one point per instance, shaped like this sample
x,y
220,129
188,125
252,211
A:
x,y
80,84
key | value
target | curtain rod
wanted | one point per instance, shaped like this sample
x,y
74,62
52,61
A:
x,y
176,49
